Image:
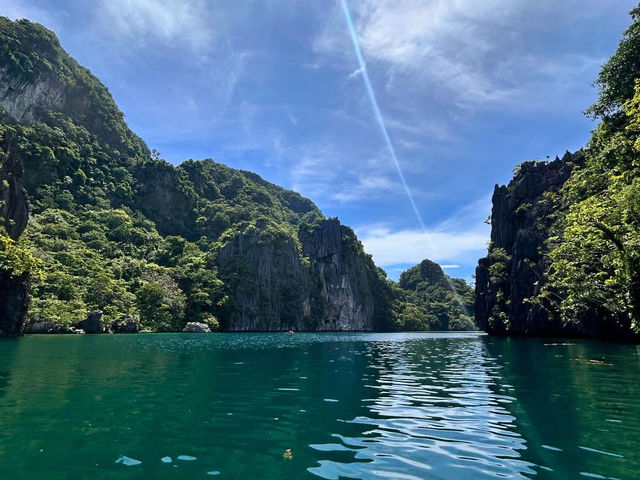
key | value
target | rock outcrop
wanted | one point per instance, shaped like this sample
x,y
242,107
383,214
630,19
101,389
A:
x,y
514,271
196,327
328,285
14,214
125,325
343,295
93,322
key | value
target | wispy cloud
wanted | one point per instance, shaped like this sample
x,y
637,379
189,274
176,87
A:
x,y
20,9
466,51
323,172
356,72
163,20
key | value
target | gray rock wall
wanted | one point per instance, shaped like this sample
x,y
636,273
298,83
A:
x,y
275,286
520,220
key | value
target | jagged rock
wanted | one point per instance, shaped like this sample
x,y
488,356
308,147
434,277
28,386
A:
x,y
93,322
125,325
196,327
520,219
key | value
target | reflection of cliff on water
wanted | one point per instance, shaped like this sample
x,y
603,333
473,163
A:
x,y
575,403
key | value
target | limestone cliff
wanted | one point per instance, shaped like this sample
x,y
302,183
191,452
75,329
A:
x,y
14,214
514,271
322,283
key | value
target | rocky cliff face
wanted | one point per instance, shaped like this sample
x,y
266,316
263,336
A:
x,y
344,294
514,271
275,286
14,214
28,101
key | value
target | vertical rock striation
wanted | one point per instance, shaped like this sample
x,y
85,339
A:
x,y
324,283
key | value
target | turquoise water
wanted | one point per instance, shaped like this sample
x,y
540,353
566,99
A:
x,y
278,406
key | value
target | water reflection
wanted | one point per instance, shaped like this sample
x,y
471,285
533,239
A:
x,y
432,414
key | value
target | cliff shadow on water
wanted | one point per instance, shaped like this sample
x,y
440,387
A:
x,y
571,402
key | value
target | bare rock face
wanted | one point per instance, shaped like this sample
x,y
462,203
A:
x,y
514,270
14,207
196,327
344,295
27,101
266,280
328,285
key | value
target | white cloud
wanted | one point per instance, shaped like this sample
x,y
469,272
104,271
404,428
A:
x,y
412,246
164,20
356,72
458,240
340,179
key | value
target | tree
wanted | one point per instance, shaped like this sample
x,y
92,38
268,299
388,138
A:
x,y
160,303
617,76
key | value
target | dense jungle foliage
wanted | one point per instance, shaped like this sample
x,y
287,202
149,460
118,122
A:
x,y
595,242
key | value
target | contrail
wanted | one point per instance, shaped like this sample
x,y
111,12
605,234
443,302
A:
x,y
385,134
376,110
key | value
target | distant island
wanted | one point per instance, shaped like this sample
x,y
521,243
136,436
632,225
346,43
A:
x,y
101,234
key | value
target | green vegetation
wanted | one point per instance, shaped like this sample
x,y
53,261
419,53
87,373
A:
x,y
427,299
595,253
16,260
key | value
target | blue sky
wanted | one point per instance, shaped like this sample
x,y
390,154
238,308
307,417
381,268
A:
x,y
467,89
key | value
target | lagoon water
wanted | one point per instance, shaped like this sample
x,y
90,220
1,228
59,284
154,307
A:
x,y
332,406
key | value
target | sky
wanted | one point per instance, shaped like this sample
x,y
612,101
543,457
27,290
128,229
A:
x,y
466,90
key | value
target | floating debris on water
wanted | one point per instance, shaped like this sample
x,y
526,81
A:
x,y
549,447
186,458
330,400
129,462
166,459
213,472
601,452
287,455
591,475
